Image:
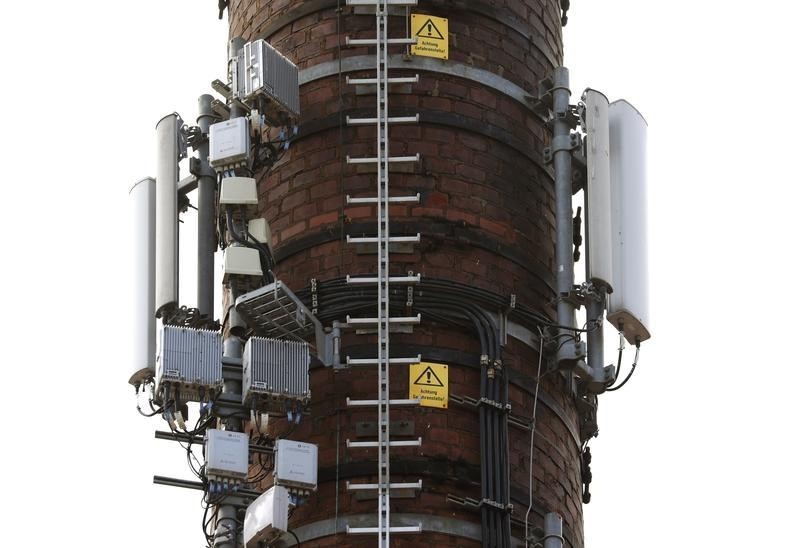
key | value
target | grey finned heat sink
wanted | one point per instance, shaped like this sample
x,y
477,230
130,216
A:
x,y
274,311
268,73
189,361
274,372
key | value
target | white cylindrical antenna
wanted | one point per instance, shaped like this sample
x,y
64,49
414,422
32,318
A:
x,y
143,212
166,262
628,307
598,190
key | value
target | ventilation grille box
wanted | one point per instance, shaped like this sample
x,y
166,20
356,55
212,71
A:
x,y
269,73
189,360
275,371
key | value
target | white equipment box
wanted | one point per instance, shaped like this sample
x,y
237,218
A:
x,y
267,517
227,454
239,191
241,261
229,144
296,465
259,228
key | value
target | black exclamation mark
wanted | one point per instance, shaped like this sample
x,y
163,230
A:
x,y
428,373
430,33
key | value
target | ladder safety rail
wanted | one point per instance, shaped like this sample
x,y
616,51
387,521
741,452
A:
x,y
382,280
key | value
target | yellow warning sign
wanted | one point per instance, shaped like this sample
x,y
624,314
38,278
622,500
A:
x,y
428,382
431,35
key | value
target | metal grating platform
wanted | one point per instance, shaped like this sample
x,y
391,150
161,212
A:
x,y
273,311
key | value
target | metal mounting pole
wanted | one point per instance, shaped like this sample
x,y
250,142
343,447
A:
x,y
570,351
227,533
553,531
595,306
206,187
234,46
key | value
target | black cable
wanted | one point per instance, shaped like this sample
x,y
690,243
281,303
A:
x,y
297,540
630,373
448,288
148,415
254,244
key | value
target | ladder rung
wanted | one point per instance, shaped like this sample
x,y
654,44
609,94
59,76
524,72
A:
x,y
391,279
372,41
375,530
390,159
392,361
372,403
372,321
391,120
391,443
395,80
376,486
392,200
374,239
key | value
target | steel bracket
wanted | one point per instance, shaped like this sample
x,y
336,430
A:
x,y
579,176
491,403
368,429
314,297
330,354
575,297
496,505
560,144
230,404
463,501
410,293
182,137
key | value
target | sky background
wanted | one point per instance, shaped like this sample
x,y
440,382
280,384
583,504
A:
x,y
700,449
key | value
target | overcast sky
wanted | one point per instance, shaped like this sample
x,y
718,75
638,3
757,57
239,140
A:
x,y
698,450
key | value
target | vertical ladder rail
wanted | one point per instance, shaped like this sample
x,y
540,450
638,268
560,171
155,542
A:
x,y
382,278
384,523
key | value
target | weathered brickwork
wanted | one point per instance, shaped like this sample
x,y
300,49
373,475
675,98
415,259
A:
x,y
487,219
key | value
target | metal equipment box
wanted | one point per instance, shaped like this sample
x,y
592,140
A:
x,y
275,372
296,465
189,361
227,454
229,143
267,72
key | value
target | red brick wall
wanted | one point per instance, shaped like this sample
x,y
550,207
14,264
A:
x,y
495,190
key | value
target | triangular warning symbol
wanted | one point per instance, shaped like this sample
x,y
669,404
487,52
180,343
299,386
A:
x,y
428,378
429,30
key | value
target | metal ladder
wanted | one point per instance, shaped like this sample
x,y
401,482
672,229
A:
x,y
383,320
